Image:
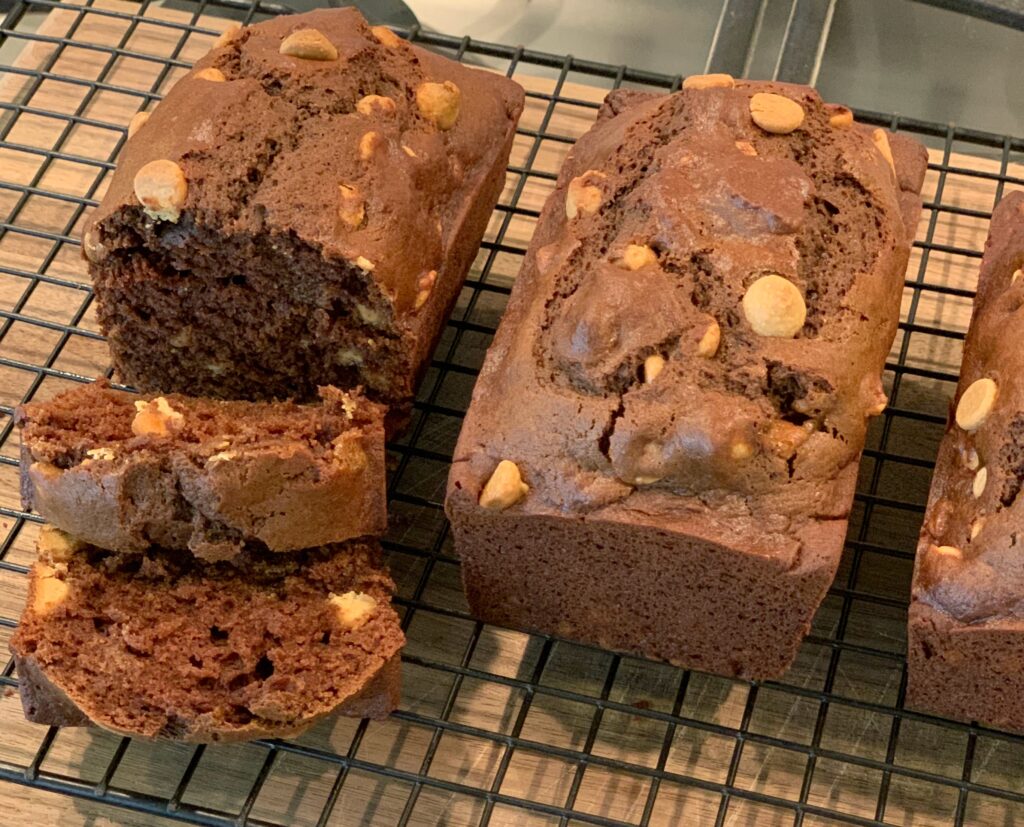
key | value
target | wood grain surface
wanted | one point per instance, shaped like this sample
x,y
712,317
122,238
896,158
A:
x,y
589,727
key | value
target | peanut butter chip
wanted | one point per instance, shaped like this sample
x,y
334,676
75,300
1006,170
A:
x,y
137,122
976,527
364,263
351,207
353,608
709,342
210,73
1016,275
947,551
741,450
386,36
424,285
980,481
49,591
976,403
408,150
161,188
714,81
583,195
156,418
439,103
226,36
747,148
308,44
505,487
881,141
369,144
105,454
636,256
775,113
373,104
653,365
841,116
774,307
57,546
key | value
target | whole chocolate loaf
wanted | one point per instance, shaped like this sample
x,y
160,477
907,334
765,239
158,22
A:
x,y
300,210
966,623
662,447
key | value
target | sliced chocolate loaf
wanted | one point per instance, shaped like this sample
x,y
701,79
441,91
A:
x,y
125,472
163,646
300,210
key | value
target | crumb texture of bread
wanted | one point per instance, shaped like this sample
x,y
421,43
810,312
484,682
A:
x,y
966,622
306,220
125,472
159,646
685,373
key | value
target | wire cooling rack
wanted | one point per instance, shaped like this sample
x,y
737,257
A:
x,y
496,726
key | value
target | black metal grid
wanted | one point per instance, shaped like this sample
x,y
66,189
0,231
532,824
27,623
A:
x,y
849,752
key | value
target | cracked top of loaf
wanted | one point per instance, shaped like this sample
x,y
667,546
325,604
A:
x,y
969,560
702,318
319,128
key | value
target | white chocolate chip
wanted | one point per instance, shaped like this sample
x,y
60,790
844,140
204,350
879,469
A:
x,y
364,263
971,460
92,247
210,73
57,546
226,36
775,113
162,189
653,365
774,307
368,315
424,286
222,456
156,418
881,141
980,481
976,403
713,81
351,206
947,551
1016,275
747,148
439,103
308,44
583,195
709,342
137,122
505,487
372,104
353,608
348,357
636,256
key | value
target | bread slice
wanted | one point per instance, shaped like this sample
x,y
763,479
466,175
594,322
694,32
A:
x,y
160,645
126,472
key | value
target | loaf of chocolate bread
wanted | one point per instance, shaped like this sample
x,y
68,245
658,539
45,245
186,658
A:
x,y
662,446
301,210
966,624
159,645
125,472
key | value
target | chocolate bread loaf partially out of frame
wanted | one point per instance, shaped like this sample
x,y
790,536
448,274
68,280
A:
x,y
159,645
662,447
125,472
965,654
301,210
